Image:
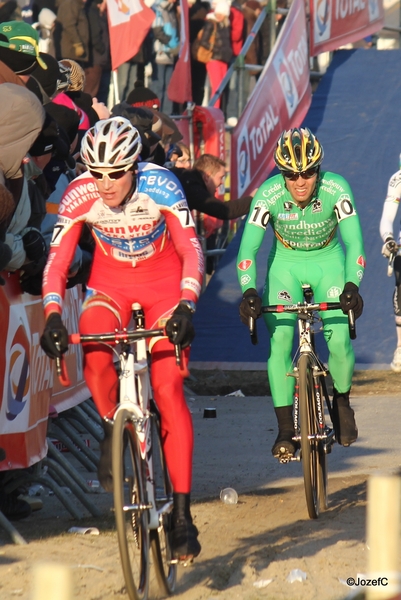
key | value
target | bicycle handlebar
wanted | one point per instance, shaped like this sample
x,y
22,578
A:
x,y
114,338
302,308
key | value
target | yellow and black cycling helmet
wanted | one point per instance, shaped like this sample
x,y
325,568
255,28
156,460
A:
x,y
298,150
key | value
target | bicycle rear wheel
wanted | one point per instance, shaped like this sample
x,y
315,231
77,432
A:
x,y
313,456
160,538
130,503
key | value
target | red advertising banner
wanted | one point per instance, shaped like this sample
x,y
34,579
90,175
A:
x,y
28,382
334,23
279,101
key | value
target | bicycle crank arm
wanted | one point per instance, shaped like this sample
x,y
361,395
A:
x,y
137,507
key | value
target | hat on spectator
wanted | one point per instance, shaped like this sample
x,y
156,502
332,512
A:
x,y
77,75
19,47
222,8
51,140
47,18
64,100
144,120
48,79
67,118
143,96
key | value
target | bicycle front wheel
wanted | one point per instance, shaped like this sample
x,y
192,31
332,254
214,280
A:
x,y
130,504
166,571
312,451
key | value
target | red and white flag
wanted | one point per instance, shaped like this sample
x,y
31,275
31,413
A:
x,y
129,23
180,86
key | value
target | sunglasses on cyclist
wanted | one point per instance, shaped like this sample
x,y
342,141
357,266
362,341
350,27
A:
x,y
112,175
308,174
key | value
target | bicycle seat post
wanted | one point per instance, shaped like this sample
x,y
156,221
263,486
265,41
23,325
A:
x,y
308,292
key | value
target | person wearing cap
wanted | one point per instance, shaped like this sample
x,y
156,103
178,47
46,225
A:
x,y
19,50
217,23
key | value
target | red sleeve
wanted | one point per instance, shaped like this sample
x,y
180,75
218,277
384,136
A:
x,y
186,243
237,22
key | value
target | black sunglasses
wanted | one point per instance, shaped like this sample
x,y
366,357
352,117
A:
x,y
308,174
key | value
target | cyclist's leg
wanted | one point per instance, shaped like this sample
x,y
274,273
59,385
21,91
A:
x,y
100,314
329,285
177,439
282,287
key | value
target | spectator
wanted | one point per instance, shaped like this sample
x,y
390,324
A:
x,y
134,70
143,96
99,54
165,49
237,37
179,156
217,24
197,15
45,27
19,52
200,185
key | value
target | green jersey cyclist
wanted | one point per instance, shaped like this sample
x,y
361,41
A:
x,y
306,207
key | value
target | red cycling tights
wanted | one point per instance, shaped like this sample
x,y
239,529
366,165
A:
x,y
168,389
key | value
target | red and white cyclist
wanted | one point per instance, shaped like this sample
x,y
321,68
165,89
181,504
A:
x,y
146,251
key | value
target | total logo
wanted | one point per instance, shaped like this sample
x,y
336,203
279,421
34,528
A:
x,y
243,161
322,20
287,82
18,380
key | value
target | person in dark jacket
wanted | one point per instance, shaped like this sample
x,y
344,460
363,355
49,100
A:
x,y
200,185
217,27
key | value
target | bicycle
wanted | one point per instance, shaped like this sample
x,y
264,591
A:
x,y
142,490
312,434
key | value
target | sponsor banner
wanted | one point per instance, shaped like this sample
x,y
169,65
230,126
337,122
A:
x,y
279,101
334,23
129,23
180,87
27,379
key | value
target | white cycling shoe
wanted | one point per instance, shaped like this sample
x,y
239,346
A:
x,y
396,362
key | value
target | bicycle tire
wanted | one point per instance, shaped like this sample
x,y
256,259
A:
x,y
309,445
323,472
129,488
160,538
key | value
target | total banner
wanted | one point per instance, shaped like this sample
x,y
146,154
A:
x,y
279,101
334,23
28,381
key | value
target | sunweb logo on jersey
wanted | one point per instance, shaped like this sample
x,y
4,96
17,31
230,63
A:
x,y
322,20
18,374
373,10
286,82
243,161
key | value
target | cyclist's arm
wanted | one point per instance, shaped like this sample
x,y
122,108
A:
x,y
390,206
351,234
65,238
182,230
251,241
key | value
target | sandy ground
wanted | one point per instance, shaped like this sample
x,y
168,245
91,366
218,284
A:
x,y
248,549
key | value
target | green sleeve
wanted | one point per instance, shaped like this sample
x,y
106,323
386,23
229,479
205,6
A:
x,y
351,235
252,238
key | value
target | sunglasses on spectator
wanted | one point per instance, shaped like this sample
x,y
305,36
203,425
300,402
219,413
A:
x,y
112,175
308,174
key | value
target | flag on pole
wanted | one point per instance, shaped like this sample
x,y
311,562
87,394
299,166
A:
x,y
129,23
180,86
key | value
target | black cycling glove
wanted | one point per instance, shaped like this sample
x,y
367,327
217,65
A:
x,y
251,306
54,340
350,299
179,327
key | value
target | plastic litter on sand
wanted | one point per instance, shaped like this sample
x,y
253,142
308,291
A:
x,y
296,575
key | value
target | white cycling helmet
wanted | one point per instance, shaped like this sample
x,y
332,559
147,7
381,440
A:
x,y
111,142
